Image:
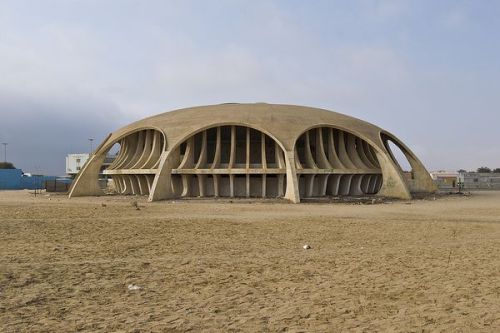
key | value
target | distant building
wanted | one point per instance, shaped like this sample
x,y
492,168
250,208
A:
x,y
75,162
445,180
480,181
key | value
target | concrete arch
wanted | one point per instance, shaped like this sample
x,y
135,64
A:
x,y
333,161
188,159
419,180
130,156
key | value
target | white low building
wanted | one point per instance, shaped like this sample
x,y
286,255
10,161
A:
x,y
75,162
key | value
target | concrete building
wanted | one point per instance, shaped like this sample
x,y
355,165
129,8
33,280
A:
x,y
75,162
480,181
445,180
253,150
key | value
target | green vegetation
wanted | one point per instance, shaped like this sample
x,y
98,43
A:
x,y
6,165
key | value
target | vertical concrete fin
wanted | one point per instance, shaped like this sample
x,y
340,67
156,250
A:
x,y
263,150
120,156
232,154
310,164
139,148
362,154
333,156
216,162
343,154
202,161
279,156
188,159
145,151
321,158
353,152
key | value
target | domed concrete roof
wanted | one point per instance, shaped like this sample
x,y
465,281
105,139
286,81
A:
x,y
283,122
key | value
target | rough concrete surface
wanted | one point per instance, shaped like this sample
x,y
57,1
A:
x,y
121,264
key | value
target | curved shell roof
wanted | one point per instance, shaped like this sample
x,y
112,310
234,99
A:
x,y
283,122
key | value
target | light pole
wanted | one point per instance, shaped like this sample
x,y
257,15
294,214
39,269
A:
x,y
91,148
5,151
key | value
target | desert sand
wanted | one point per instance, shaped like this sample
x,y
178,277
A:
x,y
103,264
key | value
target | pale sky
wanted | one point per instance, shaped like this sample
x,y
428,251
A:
x,y
428,71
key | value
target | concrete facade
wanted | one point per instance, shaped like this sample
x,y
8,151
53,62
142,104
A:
x,y
445,180
75,162
480,181
253,150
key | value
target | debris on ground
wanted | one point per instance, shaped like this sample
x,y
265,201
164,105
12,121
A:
x,y
306,247
133,287
136,205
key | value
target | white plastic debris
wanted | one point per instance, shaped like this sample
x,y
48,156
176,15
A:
x,y
306,247
133,287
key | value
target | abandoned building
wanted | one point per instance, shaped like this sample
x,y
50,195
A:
x,y
253,150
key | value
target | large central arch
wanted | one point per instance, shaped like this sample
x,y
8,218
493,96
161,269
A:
x,y
228,161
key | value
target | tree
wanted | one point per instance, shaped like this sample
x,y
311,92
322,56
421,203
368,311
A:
x,y
497,170
483,170
462,171
6,165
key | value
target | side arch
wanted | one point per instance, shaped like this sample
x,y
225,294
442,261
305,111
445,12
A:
x,y
332,161
133,168
418,180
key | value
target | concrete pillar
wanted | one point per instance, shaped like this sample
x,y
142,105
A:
x,y
162,184
292,180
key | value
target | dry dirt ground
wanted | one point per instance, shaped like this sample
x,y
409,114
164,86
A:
x,y
420,266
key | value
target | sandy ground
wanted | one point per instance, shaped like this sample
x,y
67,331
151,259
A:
x,y
420,266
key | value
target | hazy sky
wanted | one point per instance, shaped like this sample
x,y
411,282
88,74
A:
x,y
428,71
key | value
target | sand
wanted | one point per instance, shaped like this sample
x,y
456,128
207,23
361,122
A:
x,y
221,266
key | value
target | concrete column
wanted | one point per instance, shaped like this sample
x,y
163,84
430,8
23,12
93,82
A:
x,y
333,184
393,184
292,181
162,184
